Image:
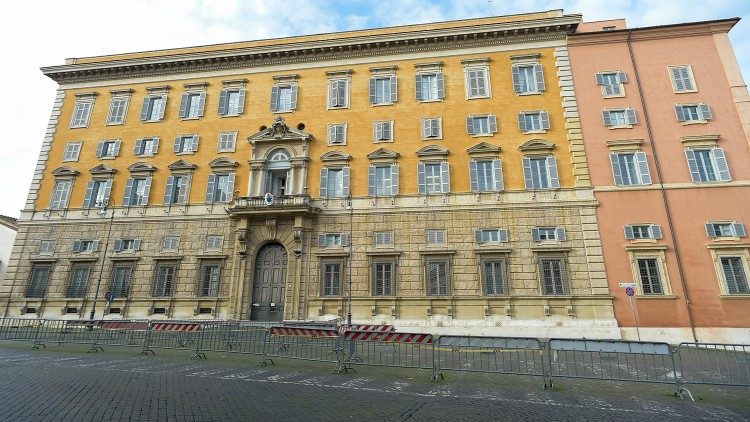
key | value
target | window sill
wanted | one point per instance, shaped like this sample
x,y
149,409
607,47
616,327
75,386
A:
x,y
339,144
642,241
479,97
226,150
383,141
283,111
534,132
346,107
115,124
612,127
186,153
529,93
614,96
651,297
190,118
70,160
145,155
482,135
436,100
152,121
694,122
686,91
229,115
107,158
79,127
433,138
745,296
382,104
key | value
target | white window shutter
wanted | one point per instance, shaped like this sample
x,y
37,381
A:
x,y
107,191
294,96
622,77
426,128
539,74
544,119
275,98
201,104
331,134
371,188
185,191
502,235
154,146
194,143
177,144
394,180
554,179
324,182
642,162
497,170
630,113
435,127
560,234
169,191
144,108
616,172
210,188
418,86
378,131
535,234
146,191
473,176
332,94
710,230
721,164
138,150
223,99
680,113
599,78
100,149
183,105
76,246
345,181
629,235
373,96
522,122
95,245
470,125
739,230
516,73
137,244
478,236
321,240
445,177
528,179
655,231
492,120
705,111
118,245
344,239
421,178
241,102
128,193
87,201
692,165
440,85
606,118
387,130
162,107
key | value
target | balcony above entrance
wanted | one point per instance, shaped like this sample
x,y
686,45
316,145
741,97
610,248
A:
x,y
270,205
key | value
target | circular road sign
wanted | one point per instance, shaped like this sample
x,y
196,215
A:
x,y
630,291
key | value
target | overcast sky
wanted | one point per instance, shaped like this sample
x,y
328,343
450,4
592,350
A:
x,y
43,33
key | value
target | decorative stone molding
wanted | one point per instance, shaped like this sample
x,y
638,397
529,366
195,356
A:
x,y
339,73
103,170
286,78
433,66
160,89
533,57
182,166
537,145
65,172
234,83
41,162
484,61
383,155
141,168
223,163
196,86
432,151
624,144
122,92
483,150
700,140
335,157
280,131
384,70
87,94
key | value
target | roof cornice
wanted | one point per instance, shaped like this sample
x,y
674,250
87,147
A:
x,y
690,29
315,50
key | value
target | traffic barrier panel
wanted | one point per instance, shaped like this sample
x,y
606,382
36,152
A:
x,y
304,343
394,349
233,338
366,327
172,335
714,363
500,355
21,329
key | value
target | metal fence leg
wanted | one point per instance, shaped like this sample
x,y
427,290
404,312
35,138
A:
x,y
36,342
345,363
436,374
95,344
680,388
547,372
198,343
266,348
146,348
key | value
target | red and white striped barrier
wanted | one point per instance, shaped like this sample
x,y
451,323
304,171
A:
x,y
304,332
389,336
124,325
366,327
168,326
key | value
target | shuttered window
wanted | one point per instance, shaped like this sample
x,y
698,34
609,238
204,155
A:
x,y
437,277
535,121
122,277
541,173
82,112
153,108
481,125
619,117
338,93
630,168
220,187
97,193
60,195
693,113
177,190
383,131
331,273
39,280
433,178
186,144
486,175
650,276
231,102
146,146
732,229
283,98
383,278
72,151
494,276
435,237
552,272
708,165
383,90
643,231
430,86
165,278
431,128
477,82
210,276
682,78
137,191
227,141
491,235
79,280
108,148
192,105
214,243
127,245
337,134
383,180
118,107
528,78
735,275
170,243
611,83
383,239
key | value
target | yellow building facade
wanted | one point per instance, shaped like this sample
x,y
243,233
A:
x,y
435,170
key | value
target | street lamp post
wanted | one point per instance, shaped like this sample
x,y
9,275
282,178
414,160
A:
x,y
349,290
103,212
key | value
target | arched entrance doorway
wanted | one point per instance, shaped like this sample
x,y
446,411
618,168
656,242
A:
x,y
268,283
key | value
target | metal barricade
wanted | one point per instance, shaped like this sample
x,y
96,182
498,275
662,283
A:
x,y
304,343
171,335
21,329
714,363
378,348
500,355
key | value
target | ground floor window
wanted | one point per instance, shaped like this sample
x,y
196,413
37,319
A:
x,y
332,273
122,276
650,276
437,276
39,280
210,276
553,276
494,276
384,278
735,275
79,280
165,278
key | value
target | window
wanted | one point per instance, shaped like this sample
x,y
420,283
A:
x,y
170,243
383,131
331,240
495,276
337,134
725,229
137,191
79,280
431,128
383,238
650,276
477,82
214,243
619,117
430,86
82,112
334,182
383,278
47,247
735,275
60,194
528,78
97,193
338,93
541,172
331,272
437,275
127,245
165,278
227,141
231,102
153,108
630,168
642,231
486,175
611,83
552,272
693,113
192,105
220,188
383,180
177,190
533,121
491,235
186,144
118,108
146,146
72,151
481,125
84,246
40,274
548,234
435,237
433,178
682,79
383,90
109,148
283,98
210,276
708,165
122,277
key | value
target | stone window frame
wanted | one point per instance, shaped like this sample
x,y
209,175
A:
x,y
382,73
119,95
290,81
552,253
232,85
383,157
165,243
540,149
704,113
127,245
532,60
477,64
388,234
152,93
629,146
485,151
502,232
221,166
332,131
233,133
213,243
737,229
654,231
378,257
434,68
164,263
193,89
139,149
138,171
492,125
718,251
544,122
50,265
338,76
339,260
658,252
622,79
493,254
438,256
631,117
691,76
82,98
129,263
47,251
180,168
69,285
203,263
63,174
391,124
423,128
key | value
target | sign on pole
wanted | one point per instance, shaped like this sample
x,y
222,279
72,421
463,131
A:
x,y
630,291
626,284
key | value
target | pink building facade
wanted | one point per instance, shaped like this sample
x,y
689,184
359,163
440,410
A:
x,y
664,114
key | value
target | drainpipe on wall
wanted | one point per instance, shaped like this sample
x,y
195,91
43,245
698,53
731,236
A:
x,y
663,191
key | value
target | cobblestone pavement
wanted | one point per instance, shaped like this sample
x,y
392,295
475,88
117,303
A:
x,y
67,384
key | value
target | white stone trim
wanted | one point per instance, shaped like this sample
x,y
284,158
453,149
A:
x,y
41,162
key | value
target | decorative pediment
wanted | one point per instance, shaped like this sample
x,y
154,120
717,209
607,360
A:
x,y
483,148
432,151
700,140
102,170
65,172
279,131
383,154
333,156
141,168
537,145
222,162
182,165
